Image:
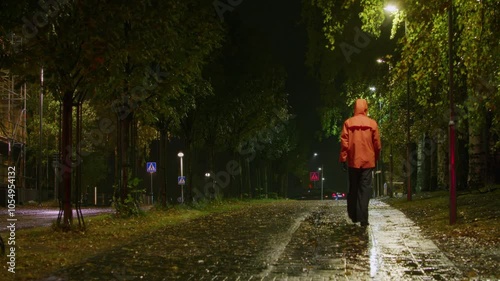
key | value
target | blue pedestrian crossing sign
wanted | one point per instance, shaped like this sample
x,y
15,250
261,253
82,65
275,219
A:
x,y
181,180
151,167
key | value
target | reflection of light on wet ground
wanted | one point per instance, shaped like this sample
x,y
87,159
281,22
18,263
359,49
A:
x,y
374,254
27,218
54,212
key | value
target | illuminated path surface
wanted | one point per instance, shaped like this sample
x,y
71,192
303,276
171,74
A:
x,y
295,240
27,218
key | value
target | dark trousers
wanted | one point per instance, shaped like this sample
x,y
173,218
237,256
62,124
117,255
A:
x,y
360,192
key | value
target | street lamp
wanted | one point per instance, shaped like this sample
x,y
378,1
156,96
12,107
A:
x,y
181,155
391,9
377,165
390,141
39,151
314,155
322,179
394,9
451,124
208,175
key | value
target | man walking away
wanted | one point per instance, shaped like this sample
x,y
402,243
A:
x,y
360,148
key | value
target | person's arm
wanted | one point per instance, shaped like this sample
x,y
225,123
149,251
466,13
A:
x,y
344,143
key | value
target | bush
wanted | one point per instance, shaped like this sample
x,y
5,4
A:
x,y
131,205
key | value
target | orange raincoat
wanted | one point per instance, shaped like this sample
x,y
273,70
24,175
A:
x,y
360,138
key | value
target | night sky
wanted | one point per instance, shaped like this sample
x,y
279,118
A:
x,y
280,20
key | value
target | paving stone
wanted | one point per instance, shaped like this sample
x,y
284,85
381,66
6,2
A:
x,y
295,241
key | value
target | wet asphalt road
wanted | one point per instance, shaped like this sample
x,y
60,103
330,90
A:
x,y
296,240
27,218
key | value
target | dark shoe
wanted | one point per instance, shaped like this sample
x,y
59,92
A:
x,y
365,224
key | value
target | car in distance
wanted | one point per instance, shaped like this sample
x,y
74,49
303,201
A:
x,y
338,195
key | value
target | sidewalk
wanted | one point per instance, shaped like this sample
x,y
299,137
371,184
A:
x,y
399,251
282,241
391,248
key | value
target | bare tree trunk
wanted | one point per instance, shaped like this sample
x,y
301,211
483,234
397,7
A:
x,y
249,179
258,182
425,158
124,139
420,164
266,184
240,167
433,165
67,115
163,164
442,163
476,161
491,175
477,155
462,162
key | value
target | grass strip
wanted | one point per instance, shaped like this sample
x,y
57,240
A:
x,y
42,250
478,214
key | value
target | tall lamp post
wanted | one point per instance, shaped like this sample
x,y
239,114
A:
x,y
394,9
181,155
39,151
322,179
390,141
453,195
378,179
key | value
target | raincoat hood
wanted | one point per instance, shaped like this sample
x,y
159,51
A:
x,y
360,139
361,107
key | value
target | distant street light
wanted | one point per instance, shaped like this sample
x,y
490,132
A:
x,y
181,155
208,175
320,169
314,155
322,180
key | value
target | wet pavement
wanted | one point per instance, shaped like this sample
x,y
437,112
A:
x,y
32,217
294,240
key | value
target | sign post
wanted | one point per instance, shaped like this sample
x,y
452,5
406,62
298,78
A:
x,y
151,168
182,179
313,176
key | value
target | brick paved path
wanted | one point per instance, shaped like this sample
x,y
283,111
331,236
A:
x,y
295,240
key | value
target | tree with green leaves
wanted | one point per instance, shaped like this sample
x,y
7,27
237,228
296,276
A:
x,y
249,110
129,54
418,74
57,40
